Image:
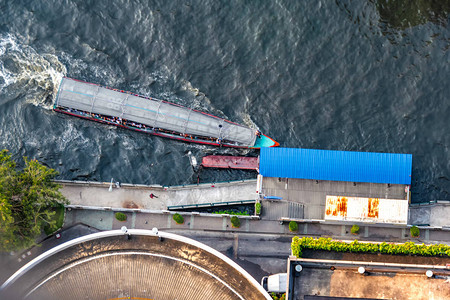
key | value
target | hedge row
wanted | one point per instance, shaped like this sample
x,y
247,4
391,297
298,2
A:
x,y
299,244
233,213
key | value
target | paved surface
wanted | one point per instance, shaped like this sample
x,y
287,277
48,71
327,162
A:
x,y
432,214
11,262
139,197
259,246
249,245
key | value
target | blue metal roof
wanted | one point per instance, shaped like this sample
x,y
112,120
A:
x,y
336,165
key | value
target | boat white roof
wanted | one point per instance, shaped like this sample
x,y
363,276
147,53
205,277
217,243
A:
x,y
156,113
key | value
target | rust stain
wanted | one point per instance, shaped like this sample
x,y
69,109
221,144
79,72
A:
x,y
130,204
372,209
336,207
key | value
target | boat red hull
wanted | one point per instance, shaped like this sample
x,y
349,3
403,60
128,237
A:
x,y
187,140
230,162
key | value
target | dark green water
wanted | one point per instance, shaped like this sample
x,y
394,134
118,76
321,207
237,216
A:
x,y
342,75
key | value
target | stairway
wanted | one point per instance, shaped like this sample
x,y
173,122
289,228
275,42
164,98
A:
x,y
274,210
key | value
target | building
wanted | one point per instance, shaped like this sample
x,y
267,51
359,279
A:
x,y
336,185
132,264
315,279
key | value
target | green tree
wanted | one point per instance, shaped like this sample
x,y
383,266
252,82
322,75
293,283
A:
x,y
27,198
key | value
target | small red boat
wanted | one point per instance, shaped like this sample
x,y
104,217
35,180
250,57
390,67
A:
x,y
231,162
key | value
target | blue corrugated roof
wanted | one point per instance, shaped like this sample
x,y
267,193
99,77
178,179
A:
x,y
336,165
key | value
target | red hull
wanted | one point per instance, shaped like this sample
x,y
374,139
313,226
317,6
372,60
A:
x,y
230,162
188,140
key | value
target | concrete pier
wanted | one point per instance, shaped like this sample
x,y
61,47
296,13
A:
x,y
138,196
436,214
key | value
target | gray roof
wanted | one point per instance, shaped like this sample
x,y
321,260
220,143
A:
x,y
156,113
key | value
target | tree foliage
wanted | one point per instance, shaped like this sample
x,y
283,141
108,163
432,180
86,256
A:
x,y
26,200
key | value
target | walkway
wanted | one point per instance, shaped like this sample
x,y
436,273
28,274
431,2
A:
x,y
138,196
432,214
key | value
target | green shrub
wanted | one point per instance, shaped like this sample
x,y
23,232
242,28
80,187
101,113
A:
x,y
293,226
230,212
235,222
121,216
258,208
276,297
58,218
178,218
415,232
355,229
298,244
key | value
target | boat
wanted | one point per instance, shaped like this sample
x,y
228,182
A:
x,y
153,116
230,162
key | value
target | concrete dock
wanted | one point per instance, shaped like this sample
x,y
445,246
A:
x,y
138,196
307,200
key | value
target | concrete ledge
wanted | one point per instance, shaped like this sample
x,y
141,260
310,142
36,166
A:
x,y
210,185
161,212
430,203
370,263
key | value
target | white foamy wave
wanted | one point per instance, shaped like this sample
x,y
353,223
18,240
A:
x,y
201,101
246,116
23,69
72,136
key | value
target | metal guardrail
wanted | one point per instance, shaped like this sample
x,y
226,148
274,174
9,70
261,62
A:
x,y
158,212
157,186
432,202
210,204
209,184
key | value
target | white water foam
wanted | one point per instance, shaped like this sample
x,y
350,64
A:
x,y
246,116
201,101
24,69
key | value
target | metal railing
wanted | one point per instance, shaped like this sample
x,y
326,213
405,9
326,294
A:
x,y
210,204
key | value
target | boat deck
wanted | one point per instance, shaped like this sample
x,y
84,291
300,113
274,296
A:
x,y
153,116
230,162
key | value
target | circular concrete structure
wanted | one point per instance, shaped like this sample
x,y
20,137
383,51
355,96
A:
x,y
138,264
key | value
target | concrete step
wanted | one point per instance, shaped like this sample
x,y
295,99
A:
x,y
274,210
295,210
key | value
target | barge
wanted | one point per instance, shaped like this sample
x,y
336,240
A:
x,y
153,116
230,162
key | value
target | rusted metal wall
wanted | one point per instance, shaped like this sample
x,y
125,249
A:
x,y
366,209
